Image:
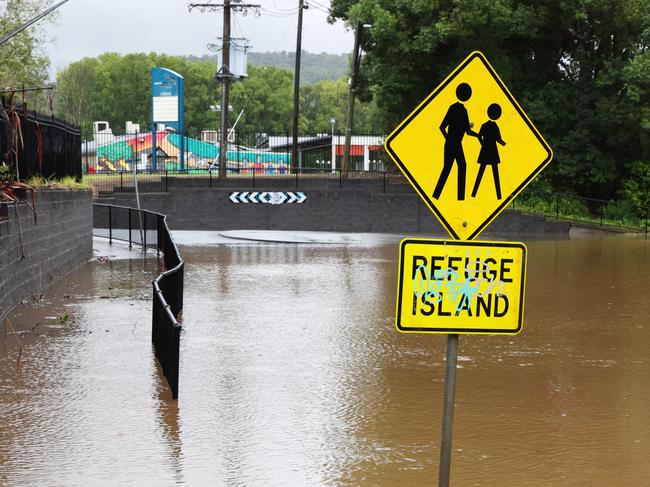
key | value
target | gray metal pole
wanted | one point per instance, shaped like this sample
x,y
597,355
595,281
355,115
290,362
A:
x,y
448,410
137,200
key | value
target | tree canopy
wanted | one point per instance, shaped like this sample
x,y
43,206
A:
x,y
117,88
580,69
23,61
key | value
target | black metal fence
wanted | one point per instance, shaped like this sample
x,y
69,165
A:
x,y
150,181
621,214
258,153
150,230
34,144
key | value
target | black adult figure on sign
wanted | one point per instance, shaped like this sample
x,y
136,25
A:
x,y
489,135
454,127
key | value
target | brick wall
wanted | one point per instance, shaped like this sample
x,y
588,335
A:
x,y
343,211
59,242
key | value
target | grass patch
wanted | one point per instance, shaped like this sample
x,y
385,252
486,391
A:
x,y
63,318
67,182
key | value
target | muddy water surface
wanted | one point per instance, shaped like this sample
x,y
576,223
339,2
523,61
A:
x,y
292,374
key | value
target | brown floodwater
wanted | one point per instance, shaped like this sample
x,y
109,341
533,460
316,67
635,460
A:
x,y
292,374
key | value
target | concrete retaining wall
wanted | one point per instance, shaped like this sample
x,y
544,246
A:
x,y
342,211
59,242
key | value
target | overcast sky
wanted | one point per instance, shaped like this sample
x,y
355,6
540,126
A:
x,y
90,27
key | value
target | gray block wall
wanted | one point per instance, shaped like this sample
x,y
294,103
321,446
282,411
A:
x,y
58,242
336,211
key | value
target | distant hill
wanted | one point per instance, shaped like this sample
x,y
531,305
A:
x,y
314,67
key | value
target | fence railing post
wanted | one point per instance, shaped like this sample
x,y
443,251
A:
x,y
130,239
557,206
166,182
110,225
144,229
602,211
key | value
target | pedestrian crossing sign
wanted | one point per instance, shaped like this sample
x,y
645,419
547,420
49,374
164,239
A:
x,y
468,148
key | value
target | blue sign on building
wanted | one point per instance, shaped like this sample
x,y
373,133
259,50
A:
x,y
167,107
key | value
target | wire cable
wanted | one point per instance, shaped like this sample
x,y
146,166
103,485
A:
x,y
314,2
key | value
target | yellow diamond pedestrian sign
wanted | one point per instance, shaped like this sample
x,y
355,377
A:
x,y
468,149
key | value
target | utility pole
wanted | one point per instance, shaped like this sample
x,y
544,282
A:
x,y
223,74
353,87
296,88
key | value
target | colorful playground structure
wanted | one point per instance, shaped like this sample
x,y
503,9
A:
x,y
121,153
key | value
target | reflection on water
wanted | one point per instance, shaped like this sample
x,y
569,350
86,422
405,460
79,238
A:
x,y
292,374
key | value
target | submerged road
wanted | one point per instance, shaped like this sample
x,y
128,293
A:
x,y
292,373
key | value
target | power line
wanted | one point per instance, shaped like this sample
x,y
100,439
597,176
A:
x,y
292,9
232,7
322,7
311,5
271,13
284,32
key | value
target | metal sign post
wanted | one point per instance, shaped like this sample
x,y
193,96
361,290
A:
x,y
456,287
448,410
460,286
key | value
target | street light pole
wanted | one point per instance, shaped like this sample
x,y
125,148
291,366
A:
x,y
353,87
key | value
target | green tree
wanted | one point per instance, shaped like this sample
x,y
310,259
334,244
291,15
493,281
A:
x,y
23,60
576,66
267,100
117,88
324,100
78,86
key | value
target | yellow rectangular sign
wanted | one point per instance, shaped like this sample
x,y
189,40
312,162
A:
x,y
447,286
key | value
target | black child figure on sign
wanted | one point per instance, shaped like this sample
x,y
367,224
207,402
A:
x,y
454,127
489,135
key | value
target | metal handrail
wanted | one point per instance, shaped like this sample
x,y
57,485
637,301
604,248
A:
x,y
166,347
